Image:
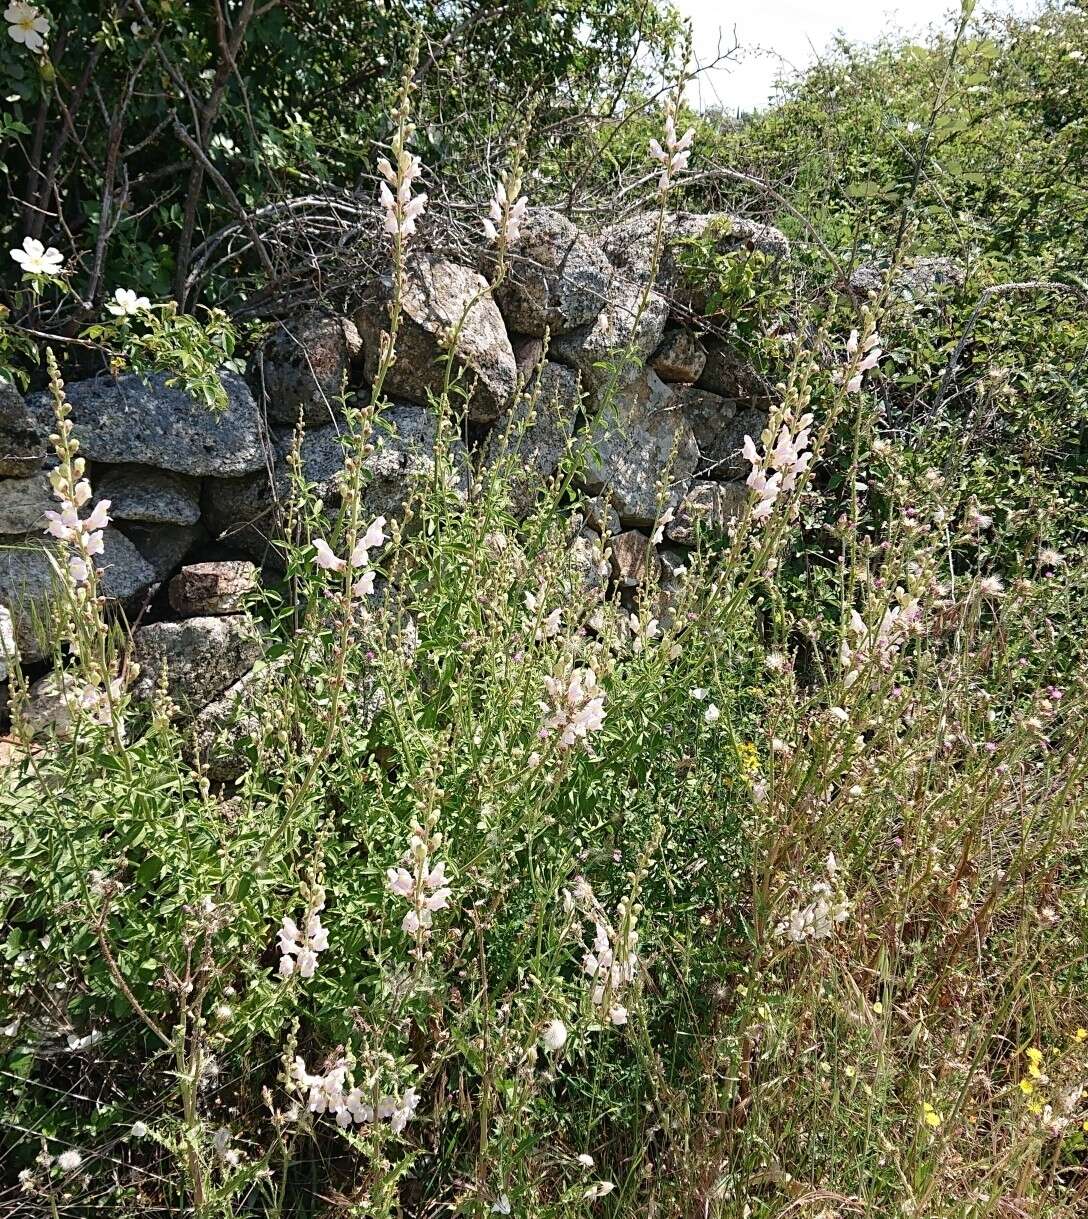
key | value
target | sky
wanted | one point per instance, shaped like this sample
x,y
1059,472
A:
x,y
777,34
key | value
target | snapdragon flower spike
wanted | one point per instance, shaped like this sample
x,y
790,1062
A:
x,y
882,644
575,707
402,209
299,947
675,154
817,919
503,222
328,560
780,466
328,1093
612,964
420,881
872,353
85,536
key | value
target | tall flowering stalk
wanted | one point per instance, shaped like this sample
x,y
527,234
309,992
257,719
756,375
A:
x,y
400,172
97,692
402,209
84,536
612,964
673,157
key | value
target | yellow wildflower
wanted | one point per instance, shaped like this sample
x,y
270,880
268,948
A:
x,y
748,756
930,1115
1081,1035
1027,1087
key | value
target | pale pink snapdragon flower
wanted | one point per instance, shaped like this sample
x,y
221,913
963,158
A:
x,y
420,880
299,948
776,470
818,918
871,357
575,706
881,643
673,157
328,1093
552,622
328,560
642,633
505,215
84,536
402,209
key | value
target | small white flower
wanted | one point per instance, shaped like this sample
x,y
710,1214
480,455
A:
x,y
70,1160
585,1160
712,714
126,303
139,1130
698,693
555,1035
27,25
326,559
501,1205
35,259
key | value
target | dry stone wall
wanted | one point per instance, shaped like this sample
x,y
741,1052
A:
x,y
665,428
